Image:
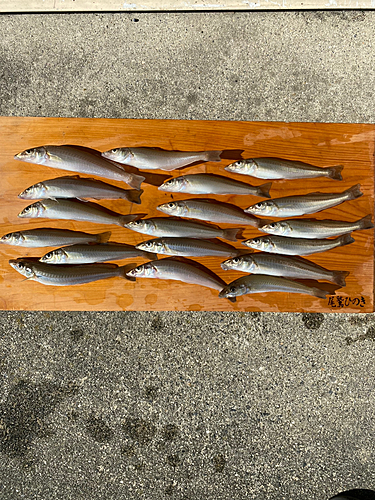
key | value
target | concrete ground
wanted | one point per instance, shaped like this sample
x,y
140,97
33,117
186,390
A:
x,y
193,405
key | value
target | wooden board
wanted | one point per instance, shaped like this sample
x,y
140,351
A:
x,y
322,144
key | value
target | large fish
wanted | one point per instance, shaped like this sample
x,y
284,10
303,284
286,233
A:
x,y
175,228
47,237
78,187
291,206
209,210
261,283
314,228
153,158
213,184
48,274
189,247
296,246
87,254
75,210
77,159
284,266
276,168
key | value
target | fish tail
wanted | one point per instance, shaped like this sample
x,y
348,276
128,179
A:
x,y
232,234
124,219
135,181
212,155
354,192
264,189
134,196
365,222
322,294
338,277
103,237
335,172
125,269
345,239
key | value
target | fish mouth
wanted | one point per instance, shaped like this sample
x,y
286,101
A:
x,y
224,294
225,266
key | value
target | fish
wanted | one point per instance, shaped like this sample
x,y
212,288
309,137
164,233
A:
x,y
291,206
189,247
277,168
213,184
154,158
86,254
77,159
49,274
208,210
314,228
48,237
75,210
296,246
176,228
262,283
73,186
284,266
186,271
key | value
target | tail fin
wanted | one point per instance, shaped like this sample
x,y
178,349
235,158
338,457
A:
x,y
103,237
134,196
136,181
335,172
338,277
354,192
322,294
212,155
124,219
264,190
124,269
365,222
345,239
232,234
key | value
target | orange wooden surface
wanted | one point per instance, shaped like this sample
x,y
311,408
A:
x,y
321,144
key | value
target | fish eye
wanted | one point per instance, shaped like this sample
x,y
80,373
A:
x,y
27,209
49,255
232,289
171,205
273,225
236,260
137,222
259,205
28,151
20,265
115,150
256,240
149,244
7,236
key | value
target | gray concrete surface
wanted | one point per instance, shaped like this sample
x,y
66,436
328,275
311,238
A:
x,y
192,405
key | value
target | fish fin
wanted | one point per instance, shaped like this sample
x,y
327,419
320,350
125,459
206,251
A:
x,y
322,294
335,172
53,157
212,156
232,234
150,256
338,277
103,237
75,177
134,196
346,239
232,299
366,222
354,192
124,219
124,269
136,181
264,190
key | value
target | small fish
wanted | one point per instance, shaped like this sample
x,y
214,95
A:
x,y
48,274
75,210
87,254
284,266
275,168
291,206
209,210
261,283
47,237
77,159
78,187
188,247
186,271
175,228
296,246
213,184
153,158
314,228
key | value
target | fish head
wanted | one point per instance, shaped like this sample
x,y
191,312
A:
x,y
143,271
23,267
35,155
265,244
266,207
57,256
174,185
31,193
177,208
33,210
234,290
118,154
281,228
239,264
246,167
16,238
144,226
151,246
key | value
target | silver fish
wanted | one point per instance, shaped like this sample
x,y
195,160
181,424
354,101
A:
x,y
314,228
75,210
213,184
209,210
153,158
296,246
87,254
47,237
186,271
48,274
188,247
291,206
175,228
284,266
77,187
261,283
276,168
77,159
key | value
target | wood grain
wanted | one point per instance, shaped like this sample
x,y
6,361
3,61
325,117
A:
x,y
351,145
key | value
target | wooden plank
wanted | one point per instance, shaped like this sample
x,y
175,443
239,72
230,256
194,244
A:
x,y
322,144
